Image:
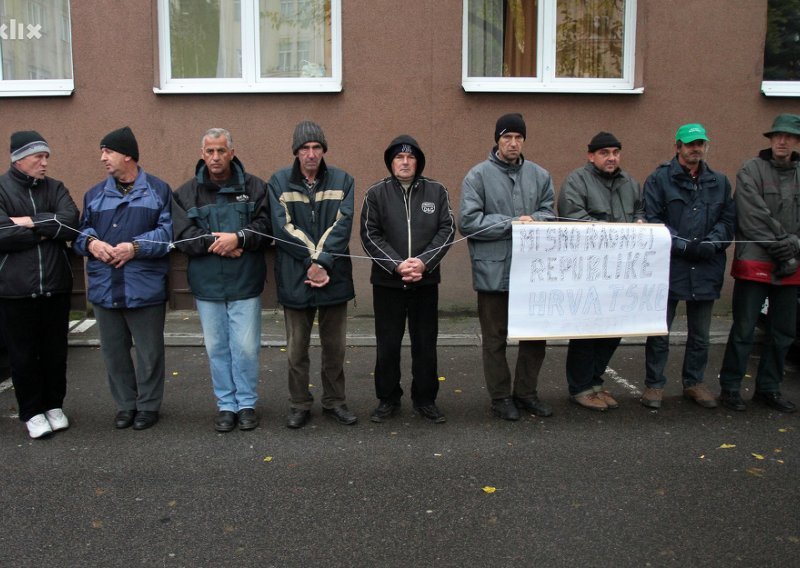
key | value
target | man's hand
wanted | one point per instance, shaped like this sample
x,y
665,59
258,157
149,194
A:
x,y
526,218
317,276
26,221
411,269
101,250
122,253
225,244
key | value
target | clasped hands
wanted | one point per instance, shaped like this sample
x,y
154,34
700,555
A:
x,y
116,256
317,276
411,269
226,244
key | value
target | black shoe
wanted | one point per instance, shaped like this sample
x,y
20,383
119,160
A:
x,y
145,419
248,419
431,412
124,418
505,409
775,401
534,406
225,421
298,418
385,410
732,399
341,414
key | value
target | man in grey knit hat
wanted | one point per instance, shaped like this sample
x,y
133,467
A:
x,y
311,207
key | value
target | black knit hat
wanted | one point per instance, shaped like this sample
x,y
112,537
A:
x,y
306,132
27,142
404,143
509,123
122,141
604,140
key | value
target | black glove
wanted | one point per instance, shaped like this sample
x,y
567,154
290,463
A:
x,y
690,251
784,248
784,269
705,250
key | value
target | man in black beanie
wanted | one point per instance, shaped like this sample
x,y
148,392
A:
x,y
126,230
504,188
37,218
598,191
406,227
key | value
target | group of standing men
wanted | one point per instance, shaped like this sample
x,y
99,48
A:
x,y
223,217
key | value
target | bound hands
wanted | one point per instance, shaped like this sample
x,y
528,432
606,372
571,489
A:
x,y
411,269
317,276
115,256
225,244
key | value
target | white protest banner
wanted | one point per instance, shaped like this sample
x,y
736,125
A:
x,y
581,280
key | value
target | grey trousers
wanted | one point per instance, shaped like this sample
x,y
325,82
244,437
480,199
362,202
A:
x,y
139,386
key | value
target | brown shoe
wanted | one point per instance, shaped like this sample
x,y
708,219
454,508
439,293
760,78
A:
x,y
590,400
701,395
606,397
652,397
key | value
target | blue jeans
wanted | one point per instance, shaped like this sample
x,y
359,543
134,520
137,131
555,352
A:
x,y
698,318
232,334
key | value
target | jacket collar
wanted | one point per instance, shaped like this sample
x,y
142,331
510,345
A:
x,y
235,183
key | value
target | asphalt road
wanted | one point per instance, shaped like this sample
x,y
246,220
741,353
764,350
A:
x,y
683,486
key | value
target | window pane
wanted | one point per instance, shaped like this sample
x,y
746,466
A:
x,y
590,38
295,38
205,38
782,48
502,38
37,42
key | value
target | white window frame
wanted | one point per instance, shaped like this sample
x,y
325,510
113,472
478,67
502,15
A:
x,y
40,87
547,82
250,82
780,88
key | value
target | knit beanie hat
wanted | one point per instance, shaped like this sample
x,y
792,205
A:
x,y
27,142
404,143
509,123
122,141
604,140
306,132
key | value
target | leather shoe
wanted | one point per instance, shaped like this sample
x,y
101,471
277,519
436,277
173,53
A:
x,y
384,410
145,419
701,395
341,414
298,418
534,406
504,408
124,418
225,421
590,400
775,401
431,412
732,399
248,419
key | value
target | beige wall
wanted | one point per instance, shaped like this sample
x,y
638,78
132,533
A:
x,y
698,61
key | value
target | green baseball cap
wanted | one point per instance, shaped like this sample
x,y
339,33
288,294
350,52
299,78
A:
x,y
787,123
691,132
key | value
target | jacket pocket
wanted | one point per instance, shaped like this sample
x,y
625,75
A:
x,y
491,250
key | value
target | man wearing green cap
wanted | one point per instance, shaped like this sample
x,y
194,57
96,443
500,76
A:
x,y
694,202
765,266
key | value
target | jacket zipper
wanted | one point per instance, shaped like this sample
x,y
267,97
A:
x,y
38,248
407,202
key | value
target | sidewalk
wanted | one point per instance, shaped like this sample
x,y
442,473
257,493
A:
x,y
183,329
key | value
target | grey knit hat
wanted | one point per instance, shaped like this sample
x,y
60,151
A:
x,y
308,131
27,142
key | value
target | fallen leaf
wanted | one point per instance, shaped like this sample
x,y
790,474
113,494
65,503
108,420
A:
x,y
489,489
457,391
98,492
283,350
783,430
174,373
437,455
727,446
779,461
442,379
778,450
172,503
97,524
268,459
703,456
755,471
757,456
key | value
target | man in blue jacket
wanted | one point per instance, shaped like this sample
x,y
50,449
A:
x,y
695,203
311,207
126,228
221,220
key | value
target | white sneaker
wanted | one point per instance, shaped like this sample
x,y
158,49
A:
x,y
57,419
38,426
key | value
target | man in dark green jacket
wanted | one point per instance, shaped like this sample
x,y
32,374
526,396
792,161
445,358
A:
x,y
311,206
221,221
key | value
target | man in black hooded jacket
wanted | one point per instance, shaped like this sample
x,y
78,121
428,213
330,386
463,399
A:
x,y
406,227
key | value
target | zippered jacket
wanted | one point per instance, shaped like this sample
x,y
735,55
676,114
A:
x,y
312,226
200,208
767,208
493,194
701,210
34,262
589,195
142,216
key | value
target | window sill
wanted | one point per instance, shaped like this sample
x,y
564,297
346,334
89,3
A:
x,y
237,86
34,88
524,86
780,88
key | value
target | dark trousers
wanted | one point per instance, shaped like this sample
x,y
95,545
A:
x,y
748,297
333,338
493,316
695,358
35,334
393,306
587,360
